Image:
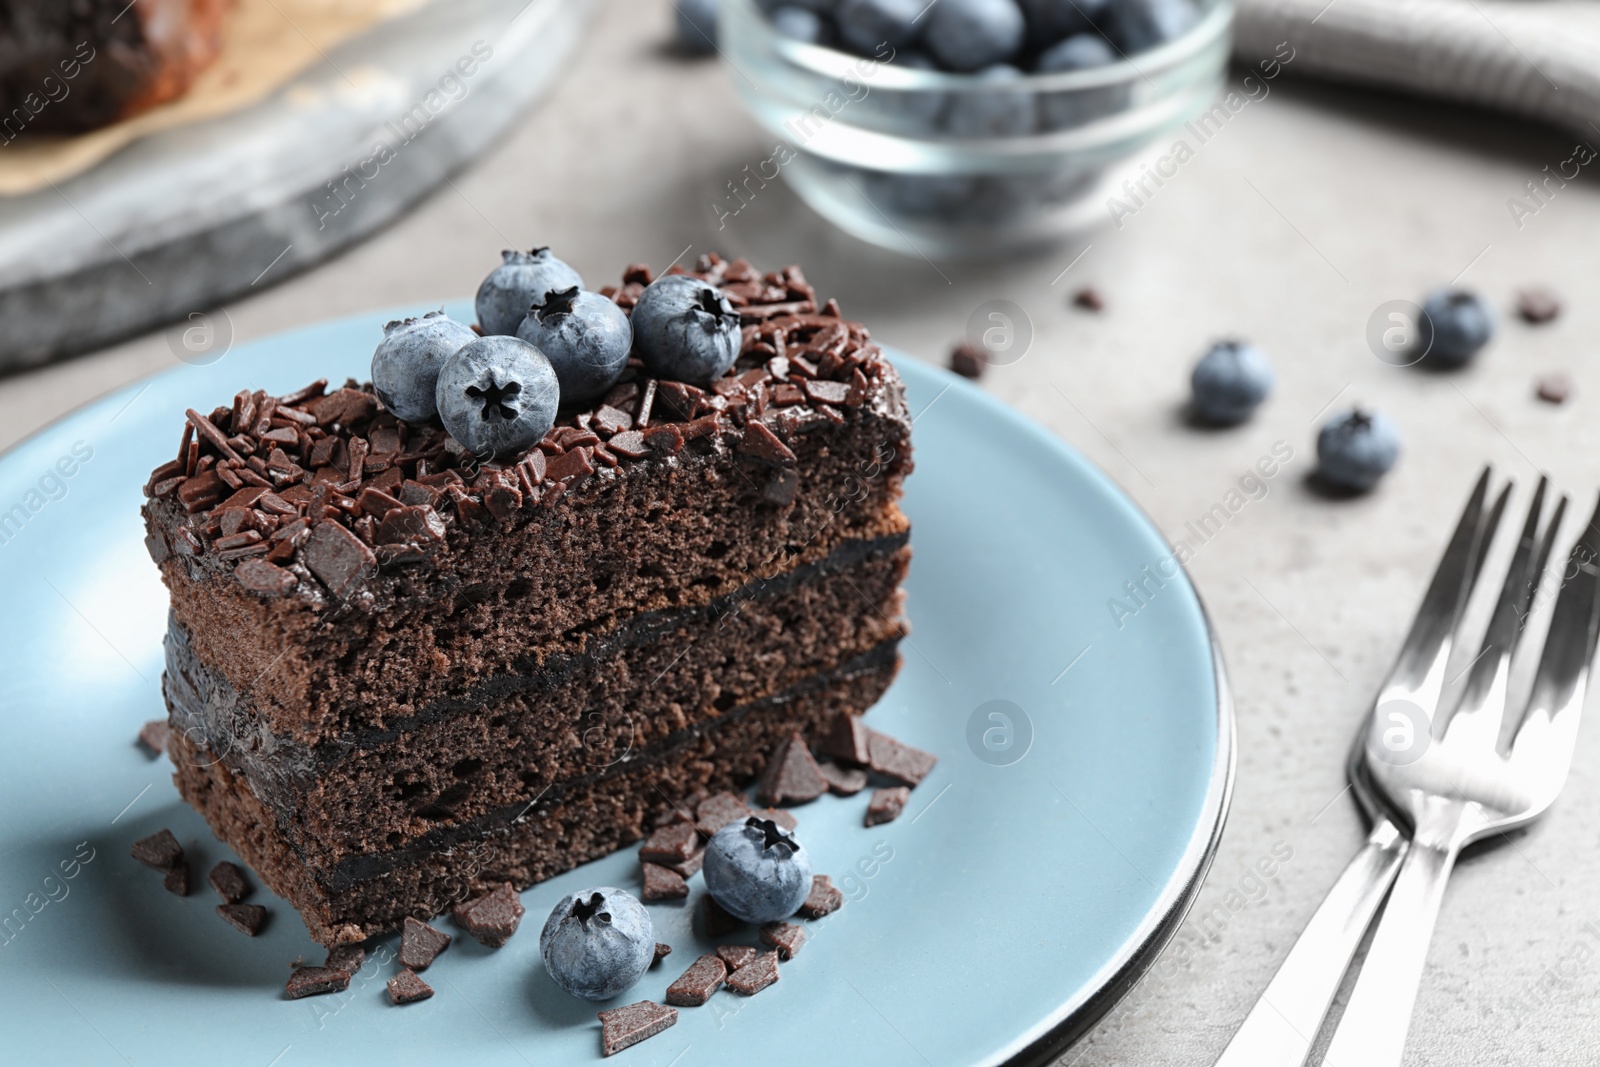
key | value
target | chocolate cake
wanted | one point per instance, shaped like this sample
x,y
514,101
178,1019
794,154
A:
x,y
72,65
398,677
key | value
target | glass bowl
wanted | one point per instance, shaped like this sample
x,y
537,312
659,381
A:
x,y
955,166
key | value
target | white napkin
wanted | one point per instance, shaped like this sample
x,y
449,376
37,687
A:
x,y
1536,58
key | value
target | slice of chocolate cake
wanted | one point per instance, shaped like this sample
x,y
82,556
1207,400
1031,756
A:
x,y
398,676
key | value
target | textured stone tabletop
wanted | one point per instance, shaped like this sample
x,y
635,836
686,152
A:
x,y
1311,208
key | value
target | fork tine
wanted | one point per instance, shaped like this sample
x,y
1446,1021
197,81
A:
x,y
1559,682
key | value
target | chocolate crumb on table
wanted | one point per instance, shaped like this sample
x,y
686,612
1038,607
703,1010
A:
x,y
153,736
315,981
736,956
968,360
792,775
420,944
228,880
756,975
1089,299
663,884
695,985
842,781
824,898
347,958
787,938
717,921
492,918
1555,388
673,843
663,950
853,741
1538,304
887,804
176,880
245,918
407,988
625,1027
689,867
718,810
160,850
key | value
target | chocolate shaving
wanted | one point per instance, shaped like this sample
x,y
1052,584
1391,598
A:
x,y
663,950
670,844
246,918
787,938
176,880
420,944
153,736
719,810
792,775
756,975
843,781
625,1027
492,918
160,850
407,988
824,898
716,920
736,956
228,880
316,981
695,985
661,883
887,804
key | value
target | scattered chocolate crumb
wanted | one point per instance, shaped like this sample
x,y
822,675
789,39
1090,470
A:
x,y
887,804
968,360
792,776
844,781
246,918
347,958
228,880
314,981
783,818
894,759
493,917
719,810
736,956
1538,304
673,843
824,898
407,988
153,736
420,944
160,850
1089,299
688,867
787,938
663,884
625,1027
756,975
176,880
847,740
663,950
1555,388
717,921
695,986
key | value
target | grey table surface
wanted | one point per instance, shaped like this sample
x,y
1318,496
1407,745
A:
x,y
1312,207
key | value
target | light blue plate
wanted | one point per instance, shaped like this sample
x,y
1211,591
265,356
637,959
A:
x,y
1019,895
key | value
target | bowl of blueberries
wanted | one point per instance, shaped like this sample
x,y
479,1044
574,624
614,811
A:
x,y
966,128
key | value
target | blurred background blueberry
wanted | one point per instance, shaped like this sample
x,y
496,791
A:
x,y
1356,448
993,114
1081,51
697,25
866,24
1456,324
1139,25
1051,20
1229,383
968,35
801,24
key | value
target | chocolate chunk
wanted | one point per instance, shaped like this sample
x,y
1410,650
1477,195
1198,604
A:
x,y
153,736
268,579
896,760
791,776
765,445
337,556
420,944
736,956
826,392
845,781
407,988
689,867
969,360
176,880
160,850
663,884
1555,388
629,443
1089,299
347,958
846,740
609,420
670,844
675,401
756,975
719,810
574,464
1538,305
625,1027
824,898
787,938
887,804
315,981
695,986
782,488
493,917
228,880
417,523
246,918
662,952
717,921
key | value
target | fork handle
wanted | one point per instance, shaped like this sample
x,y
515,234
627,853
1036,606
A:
x,y
1280,1028
1372,1031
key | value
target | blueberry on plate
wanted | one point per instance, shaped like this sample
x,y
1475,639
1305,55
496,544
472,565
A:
x,y
1140,25
866,24
801,24
685,329
757,871
1455,324
1356,448
1074,107
406,365
992,113
697,25
520,281
586,338
597,943
1230,382
967,35
497,396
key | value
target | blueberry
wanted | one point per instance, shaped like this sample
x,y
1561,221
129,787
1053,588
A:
x,y
1081,51
1074,107
1230,382
685,329
995,113
519,282
757,871
597,943
406,365
921,194
801,24
1455,324
1357,448
1140,25
967,35
1051,20
697,25
497,396
905,110
586,338
866,24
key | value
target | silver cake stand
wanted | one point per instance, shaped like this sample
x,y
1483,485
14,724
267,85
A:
x,y
178,222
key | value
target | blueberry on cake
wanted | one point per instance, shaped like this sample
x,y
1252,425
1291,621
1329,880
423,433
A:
x,y
498,612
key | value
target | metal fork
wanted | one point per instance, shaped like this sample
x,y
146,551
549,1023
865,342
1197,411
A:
x,y
1469,783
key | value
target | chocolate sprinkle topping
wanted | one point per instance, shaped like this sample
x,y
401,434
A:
x,y
695,986
420,944
407,988
492,918
625,1027
160,850
246,918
